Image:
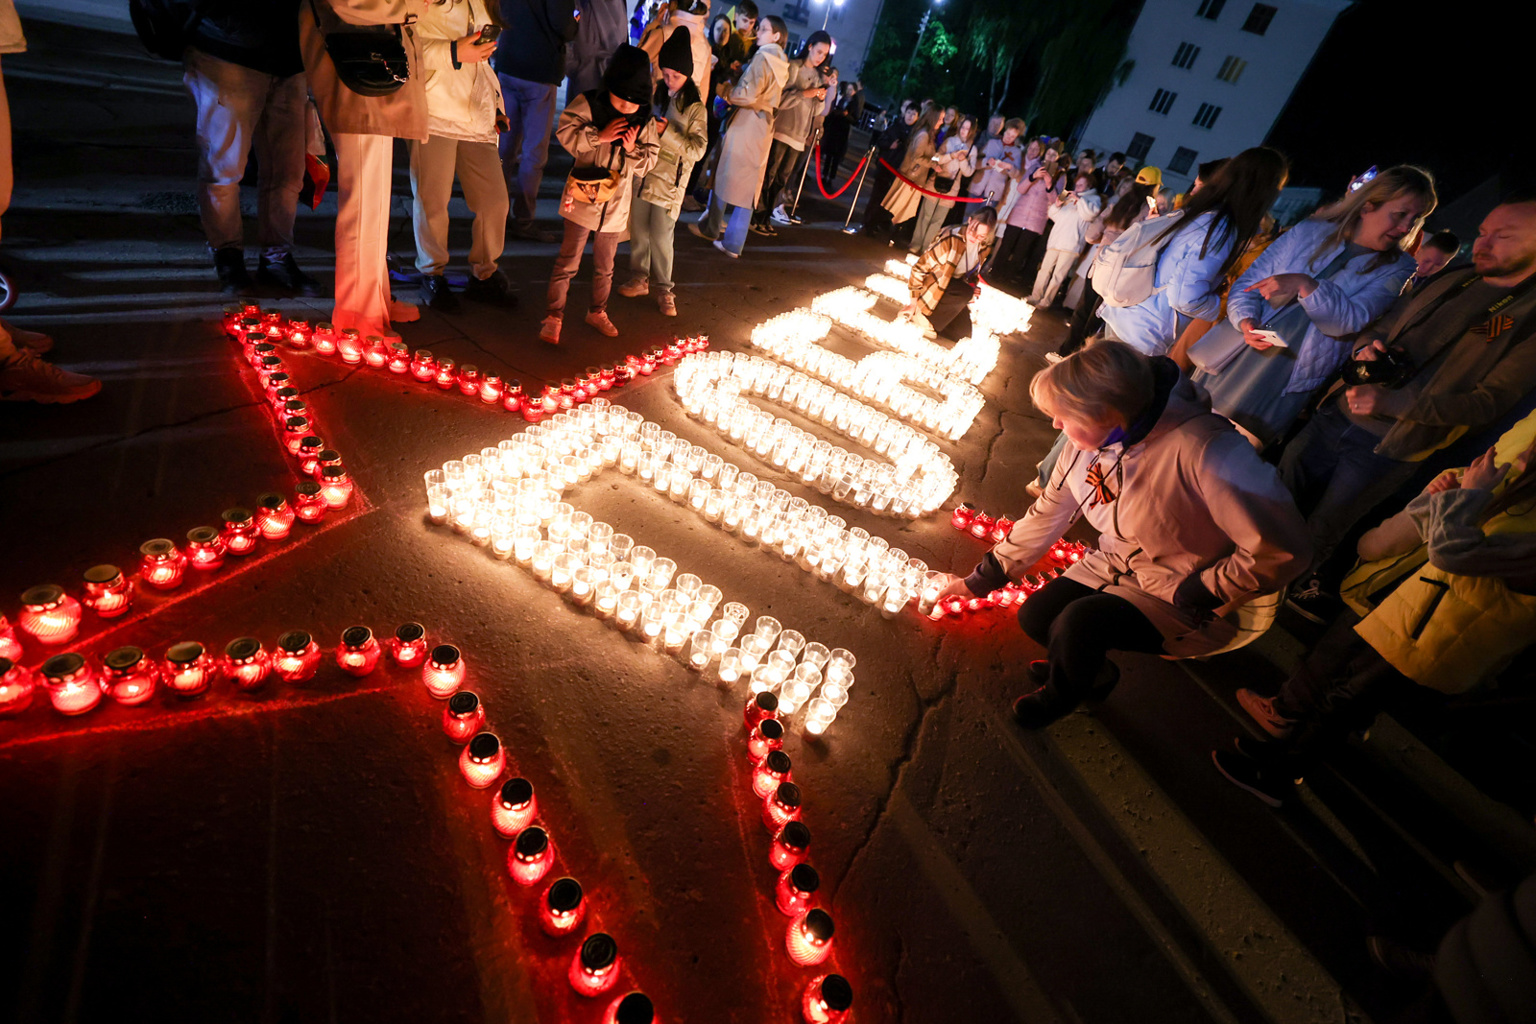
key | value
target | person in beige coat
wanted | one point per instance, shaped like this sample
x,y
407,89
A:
x,y
364,129
689,15
1193,526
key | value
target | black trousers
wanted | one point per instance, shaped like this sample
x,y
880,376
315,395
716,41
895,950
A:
x,y
1012,250
876,217
1078,626
1085,320
781,161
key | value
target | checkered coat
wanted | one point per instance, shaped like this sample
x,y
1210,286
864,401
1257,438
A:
x,y
936,266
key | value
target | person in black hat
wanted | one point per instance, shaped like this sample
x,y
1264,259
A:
x,y
684,135
610,133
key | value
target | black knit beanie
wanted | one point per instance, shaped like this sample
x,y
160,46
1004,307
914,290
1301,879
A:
x,y
629,74
677,52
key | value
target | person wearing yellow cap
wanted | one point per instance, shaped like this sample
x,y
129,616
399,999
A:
x,y
1150,176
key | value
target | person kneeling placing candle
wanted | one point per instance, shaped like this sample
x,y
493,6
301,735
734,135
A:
x,y
945,277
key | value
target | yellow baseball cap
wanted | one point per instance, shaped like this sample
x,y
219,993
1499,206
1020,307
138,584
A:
x,y
1149,176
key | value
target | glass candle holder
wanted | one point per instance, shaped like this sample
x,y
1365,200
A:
x,y
408,647
468,380
514,807
187,669
774,770
729,669
563,907
444,671
483,760
335,486
809,939
782,806
108,592
246,663
205,548
73,685
130,677
768,628
595,968
308,503
819,714
161,564
358,653
49,615
16,688
398,357
701,649
324,339
828,999
297,657
531,856
375,352
631,605
795,890
760,706
463,716
753,650
10,647
789,846
274,516
309,454
763,740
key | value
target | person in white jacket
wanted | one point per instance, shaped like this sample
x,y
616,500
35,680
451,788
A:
x,y
463,104
1070,215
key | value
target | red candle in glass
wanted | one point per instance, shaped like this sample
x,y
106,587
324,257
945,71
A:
x,y
563,907
131,678
10,647
308,504
73,685
161,565
48,615
272,321
335,486
463,716
535,408
981,525
276,383
795,889
444,671
766,738
298,334
239,531
246,663
230,319
565,394
187,669
447,373
259,349
468,379
782,806
631,1008
295,430
108,592
595,968
1001,529
530,856
399,357
309,451
760,706
297,657
409,645
608,377
490,389
827,1000
809,939
359,652
512,397
774,770
514,807
349,345
961,519
205,548
375,352
16,688
274,516
266,368
789,846
423,365
291,405
483,760
324,338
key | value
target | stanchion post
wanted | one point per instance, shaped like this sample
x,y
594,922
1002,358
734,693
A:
x,y
805,169
858,189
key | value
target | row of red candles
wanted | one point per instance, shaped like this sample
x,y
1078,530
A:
x,y
262,332
828,998
1062,555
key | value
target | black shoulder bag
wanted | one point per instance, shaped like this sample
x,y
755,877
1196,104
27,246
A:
x,y
370,59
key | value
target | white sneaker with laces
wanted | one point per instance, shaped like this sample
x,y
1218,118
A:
x,y
26,378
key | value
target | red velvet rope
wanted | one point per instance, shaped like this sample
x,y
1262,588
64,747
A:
x,y
851,177
926,192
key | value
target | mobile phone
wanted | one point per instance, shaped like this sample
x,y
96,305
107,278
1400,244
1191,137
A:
x,y
1270,336
488,34
1152,203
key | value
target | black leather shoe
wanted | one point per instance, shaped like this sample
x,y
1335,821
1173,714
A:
x,y
229,264
435,294
495,290
1039,709
286,275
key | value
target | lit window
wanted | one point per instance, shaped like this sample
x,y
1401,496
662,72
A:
x,y
1232,69
1183,160
1259,19
1206,116
797,10
1210,10
1184,56
1162,100
1140,146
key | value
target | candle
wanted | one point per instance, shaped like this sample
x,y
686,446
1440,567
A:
x,y
48,615
131,678
161,565
108,592
187,669
73,686
246,663
16,688
297,657
205,548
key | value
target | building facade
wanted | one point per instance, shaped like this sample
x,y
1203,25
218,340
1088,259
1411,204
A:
x,y
1209,79
850,23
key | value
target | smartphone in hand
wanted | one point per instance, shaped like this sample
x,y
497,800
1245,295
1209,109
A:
x,y
1269,336
488,34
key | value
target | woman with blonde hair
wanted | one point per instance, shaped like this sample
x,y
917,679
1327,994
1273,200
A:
x,y
1291,315
916,166
1192,527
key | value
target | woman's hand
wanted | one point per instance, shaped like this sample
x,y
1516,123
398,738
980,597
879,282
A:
x,y
470,51
1370,353
1484,474
956,588
614,132
628,138
1254,341
1447,481
1282,288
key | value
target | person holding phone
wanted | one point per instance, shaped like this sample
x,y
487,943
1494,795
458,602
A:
x,y
804,90
464,105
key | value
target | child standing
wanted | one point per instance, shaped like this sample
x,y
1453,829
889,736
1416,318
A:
x,y
612,137
659,198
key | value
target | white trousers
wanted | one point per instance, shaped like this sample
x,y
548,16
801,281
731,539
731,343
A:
x,y
1053,271
364,181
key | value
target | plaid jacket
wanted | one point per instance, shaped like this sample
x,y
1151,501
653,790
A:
x,y
936,266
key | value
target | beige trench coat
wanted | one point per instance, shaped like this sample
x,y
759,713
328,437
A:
x,y
403,113
744,154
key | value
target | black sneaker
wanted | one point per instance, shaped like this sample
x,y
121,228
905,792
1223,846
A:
x,y
765,230
285,274
1039,709
229,263
495,290
1313,603
435,294
1246,773
1400,960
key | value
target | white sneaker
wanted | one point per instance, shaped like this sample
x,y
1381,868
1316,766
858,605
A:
x,y
635,287
780,216
26,378
721,246
549,330
598,320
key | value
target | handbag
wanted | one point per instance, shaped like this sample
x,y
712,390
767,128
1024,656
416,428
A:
x,y
1217,347
370,59
593,185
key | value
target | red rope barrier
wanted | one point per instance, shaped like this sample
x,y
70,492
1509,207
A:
x,y
851,177
926,192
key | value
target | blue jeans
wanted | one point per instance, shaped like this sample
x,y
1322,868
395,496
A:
x,y
735,238
524,148
651,229
1332,470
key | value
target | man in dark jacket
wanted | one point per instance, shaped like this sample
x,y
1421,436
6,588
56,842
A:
x,y
889,145
245,73
530,61
846,114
